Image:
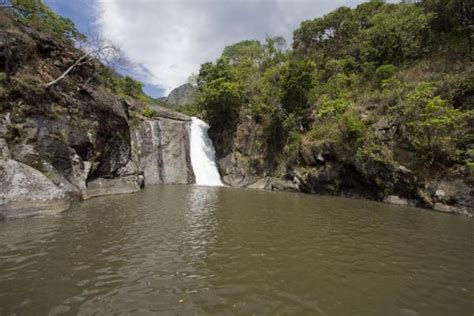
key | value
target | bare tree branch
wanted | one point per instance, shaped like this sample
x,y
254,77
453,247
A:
x,y
96,49
64,74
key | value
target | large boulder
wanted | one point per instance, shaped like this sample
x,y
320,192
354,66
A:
x,y
233,172
452,196
25,191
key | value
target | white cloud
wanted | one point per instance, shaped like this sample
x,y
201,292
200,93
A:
x,y
172,38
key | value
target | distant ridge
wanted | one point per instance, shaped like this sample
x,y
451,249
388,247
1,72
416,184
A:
x,y
181,95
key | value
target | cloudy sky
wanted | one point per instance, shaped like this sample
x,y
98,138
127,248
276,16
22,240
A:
x,y
172,38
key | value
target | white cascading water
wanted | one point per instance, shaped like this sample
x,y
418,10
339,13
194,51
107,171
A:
x,y
203,155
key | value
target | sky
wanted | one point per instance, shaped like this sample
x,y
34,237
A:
x,y
170,39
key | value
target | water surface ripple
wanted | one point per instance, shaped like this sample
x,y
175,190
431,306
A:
x,y
181,250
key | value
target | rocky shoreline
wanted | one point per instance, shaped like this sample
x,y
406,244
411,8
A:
x,y
158,153
319,171
449,197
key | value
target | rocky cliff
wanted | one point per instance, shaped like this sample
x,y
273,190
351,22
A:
x,y
76,139
324,170
181,95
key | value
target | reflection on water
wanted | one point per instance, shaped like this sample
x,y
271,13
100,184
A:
x,y
200,250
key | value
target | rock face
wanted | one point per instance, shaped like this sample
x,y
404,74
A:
x,y
161,149
102,186
182,95
25,191
323,169
77,139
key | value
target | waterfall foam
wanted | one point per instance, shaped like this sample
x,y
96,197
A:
x,y
203,155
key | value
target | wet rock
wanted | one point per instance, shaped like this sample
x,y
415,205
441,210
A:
x,y
395,200
233,172
425,198
238,181
283,185
261,184
101,186
233,180
228,165
25,191
447,208
456,193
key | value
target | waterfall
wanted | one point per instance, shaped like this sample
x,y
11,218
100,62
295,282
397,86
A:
x,y
203,155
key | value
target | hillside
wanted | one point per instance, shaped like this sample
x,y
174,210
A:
x,y
181,96
375,102
90,133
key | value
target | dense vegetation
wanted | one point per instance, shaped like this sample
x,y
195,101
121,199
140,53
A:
x,y
378,85
37,14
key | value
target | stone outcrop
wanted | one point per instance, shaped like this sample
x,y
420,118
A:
x,y
25,191
102,186
161,149
77,139
323,169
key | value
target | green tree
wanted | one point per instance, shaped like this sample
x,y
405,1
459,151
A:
x,y
396,33
297,82
436,129
36,13
452,17
219,99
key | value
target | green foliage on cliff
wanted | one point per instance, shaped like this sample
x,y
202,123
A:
x,y
296,85
148,112
37,14
123,86
367,83
437,131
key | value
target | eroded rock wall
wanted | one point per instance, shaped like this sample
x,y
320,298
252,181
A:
x,y
161,148
76,139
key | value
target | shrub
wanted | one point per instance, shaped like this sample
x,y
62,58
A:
x,y
353,130
385,72
435,129
297,82
190,110
148,112
333,107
